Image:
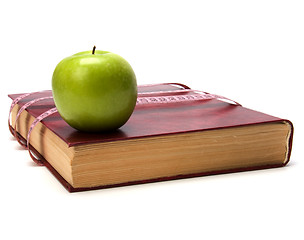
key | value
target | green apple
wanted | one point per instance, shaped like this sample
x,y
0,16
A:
x,y
94,90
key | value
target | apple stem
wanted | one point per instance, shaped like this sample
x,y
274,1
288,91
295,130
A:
x,y
93,51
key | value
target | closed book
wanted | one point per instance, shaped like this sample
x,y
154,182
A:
x,y
160,141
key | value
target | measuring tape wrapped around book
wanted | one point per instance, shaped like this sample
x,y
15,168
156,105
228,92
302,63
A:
x,y
145,98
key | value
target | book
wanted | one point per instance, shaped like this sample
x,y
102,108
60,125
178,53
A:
x,y
159,142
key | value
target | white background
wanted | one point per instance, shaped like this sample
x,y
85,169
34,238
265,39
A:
x,y
250,51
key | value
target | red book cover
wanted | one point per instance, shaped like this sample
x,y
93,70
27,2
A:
x,y
153,120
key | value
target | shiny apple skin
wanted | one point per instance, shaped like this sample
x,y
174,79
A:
x,y
94,92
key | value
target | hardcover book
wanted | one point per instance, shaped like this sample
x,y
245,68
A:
x,y
175,140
